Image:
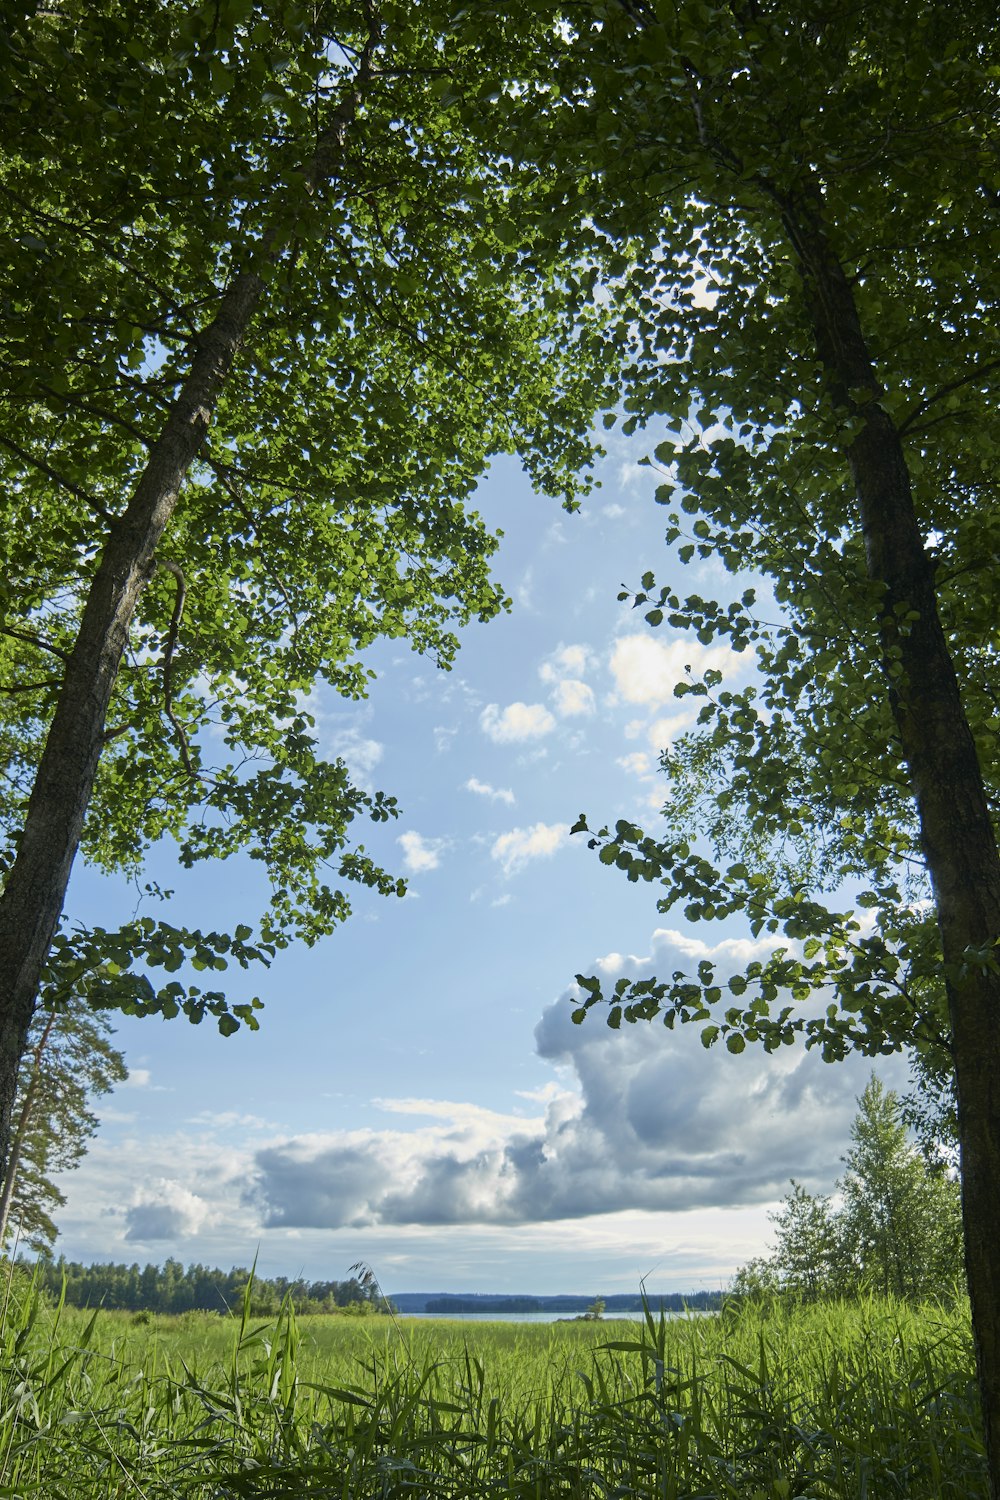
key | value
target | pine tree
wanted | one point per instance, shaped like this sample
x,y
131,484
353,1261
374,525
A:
x,y
69,1061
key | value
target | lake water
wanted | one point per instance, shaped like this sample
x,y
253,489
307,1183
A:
x,y
529,1317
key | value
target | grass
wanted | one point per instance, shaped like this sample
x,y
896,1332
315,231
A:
x,y
865,1402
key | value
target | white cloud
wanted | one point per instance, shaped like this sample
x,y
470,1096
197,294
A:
x,y
443,737
518,721
483,789
361,753
653,1123
630,474
513,850
142,1078
564,670
647,670
138,1078
420,854
572,698
567,661
637,763
165,1210
663,732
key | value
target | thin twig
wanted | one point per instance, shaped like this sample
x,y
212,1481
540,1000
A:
x,y
168,663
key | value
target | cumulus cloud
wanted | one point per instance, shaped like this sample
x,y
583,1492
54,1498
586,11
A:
x,y
165,1210
637,763
361,753
518,721
647,669
663,732
420,854
138,1078
483,789
564,671
515,849
567,661
571,697
653,1122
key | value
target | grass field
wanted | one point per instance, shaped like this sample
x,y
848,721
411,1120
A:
x,y
865,1401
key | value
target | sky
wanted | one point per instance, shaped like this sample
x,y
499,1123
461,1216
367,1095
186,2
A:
x,y
417,1096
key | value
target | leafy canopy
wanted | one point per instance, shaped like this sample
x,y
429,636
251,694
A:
x,y
697,134
152,152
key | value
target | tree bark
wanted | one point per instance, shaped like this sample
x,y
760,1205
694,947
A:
x,y
35,890
956,830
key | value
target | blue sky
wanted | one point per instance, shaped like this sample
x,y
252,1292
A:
x,y
416,1096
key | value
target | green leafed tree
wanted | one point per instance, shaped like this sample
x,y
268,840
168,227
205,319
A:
x,y
806,202
70,1061
895,1227
806,1260
899,1222
267,311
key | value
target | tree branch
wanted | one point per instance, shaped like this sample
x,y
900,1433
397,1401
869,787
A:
x,y
946,390
60,479
168,663
35,640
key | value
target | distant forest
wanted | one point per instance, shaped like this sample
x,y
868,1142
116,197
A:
x,y
449,1302
172,1289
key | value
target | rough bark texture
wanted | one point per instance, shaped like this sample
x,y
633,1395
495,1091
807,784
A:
x,y
955,825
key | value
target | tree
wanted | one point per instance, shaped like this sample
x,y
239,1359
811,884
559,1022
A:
x,y
804,200
896,1228
266,316
70,1059
807,1258
900,1221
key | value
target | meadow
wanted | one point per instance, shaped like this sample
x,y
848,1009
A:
x,y
863,1401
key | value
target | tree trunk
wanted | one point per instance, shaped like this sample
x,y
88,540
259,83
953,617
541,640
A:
x,y
23,1120
33,896
955,826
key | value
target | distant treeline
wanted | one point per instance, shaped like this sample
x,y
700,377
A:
x,y
172,1289
449,1302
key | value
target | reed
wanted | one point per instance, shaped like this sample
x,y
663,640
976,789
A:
x,y
874,1399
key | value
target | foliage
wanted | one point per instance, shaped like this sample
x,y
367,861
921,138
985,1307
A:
x,y
808,1260
156,160
70,1060
790,802
896,1229
805,203
171,1289
901,1219
875,1399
